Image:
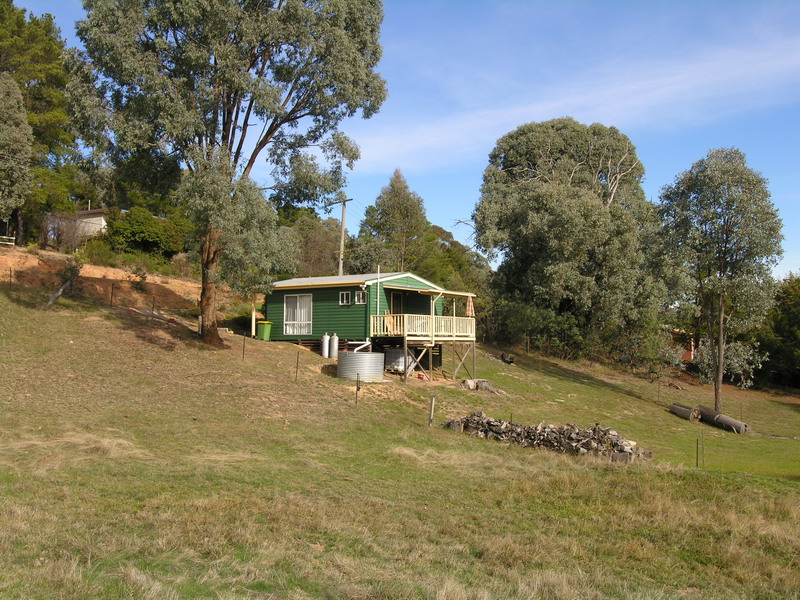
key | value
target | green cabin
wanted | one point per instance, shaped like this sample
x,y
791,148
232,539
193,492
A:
x,y
373,307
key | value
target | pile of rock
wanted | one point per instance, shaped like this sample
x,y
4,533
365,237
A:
x,y
568,439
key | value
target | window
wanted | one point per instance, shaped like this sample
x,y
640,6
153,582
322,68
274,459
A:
x,y
361,297
344,298
297,314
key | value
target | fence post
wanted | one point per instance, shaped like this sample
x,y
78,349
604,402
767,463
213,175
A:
x,y
431,408
697,453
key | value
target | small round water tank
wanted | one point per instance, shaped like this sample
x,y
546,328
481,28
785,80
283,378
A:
x,y
367,366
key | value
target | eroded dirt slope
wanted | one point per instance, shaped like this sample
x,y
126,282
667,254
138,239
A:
x,y
38,269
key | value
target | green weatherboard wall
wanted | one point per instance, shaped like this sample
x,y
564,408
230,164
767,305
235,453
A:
x,y
351,321
326,314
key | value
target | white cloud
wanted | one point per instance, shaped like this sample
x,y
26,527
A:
x,y
684,90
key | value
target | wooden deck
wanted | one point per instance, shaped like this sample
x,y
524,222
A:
x,y
423,328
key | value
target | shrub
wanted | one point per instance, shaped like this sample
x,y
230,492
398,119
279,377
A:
x,y
148,263
99,252
139,231
71,272
183,266
140,277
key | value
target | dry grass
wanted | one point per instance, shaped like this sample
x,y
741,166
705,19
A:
x,y
39,456
135,463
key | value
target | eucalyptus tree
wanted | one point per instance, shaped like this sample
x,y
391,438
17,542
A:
x,y
397,219
724,228
780,334
563,206
31,51
221,83
15,147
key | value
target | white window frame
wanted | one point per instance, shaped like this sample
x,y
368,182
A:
x,y
298,327
344,298
361,297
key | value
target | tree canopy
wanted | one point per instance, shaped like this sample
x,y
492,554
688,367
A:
x,y
562,203
398,221
31,50
726,232
15,147
780,335
220,83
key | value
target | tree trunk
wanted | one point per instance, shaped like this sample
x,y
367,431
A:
x,y
208,293
18,239
720,366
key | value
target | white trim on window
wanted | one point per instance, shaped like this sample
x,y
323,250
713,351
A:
x,y
344,298
361,297
297,310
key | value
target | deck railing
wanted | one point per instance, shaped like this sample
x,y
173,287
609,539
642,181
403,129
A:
x,y
423,327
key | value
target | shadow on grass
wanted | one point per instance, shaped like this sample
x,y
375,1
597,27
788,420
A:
x,y
540,364
26,298
329,370
778,394
164,332
792,405
36,299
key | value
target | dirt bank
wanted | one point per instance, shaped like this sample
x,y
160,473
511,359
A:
x,y
38,269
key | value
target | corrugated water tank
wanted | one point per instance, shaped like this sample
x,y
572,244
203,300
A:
x,y
367,366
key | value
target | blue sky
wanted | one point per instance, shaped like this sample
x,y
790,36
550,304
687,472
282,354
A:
x,y
678,78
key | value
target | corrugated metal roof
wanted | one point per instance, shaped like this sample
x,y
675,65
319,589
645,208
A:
x,y
369,278
331,280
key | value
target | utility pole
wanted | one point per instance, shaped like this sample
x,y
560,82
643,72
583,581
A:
x,y
341,237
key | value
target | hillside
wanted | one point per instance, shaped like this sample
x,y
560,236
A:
x,y
39,268
137,463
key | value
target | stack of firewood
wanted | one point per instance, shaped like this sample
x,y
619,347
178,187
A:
x,y
568,439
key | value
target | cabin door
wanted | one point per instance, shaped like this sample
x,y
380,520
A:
x,y
397,303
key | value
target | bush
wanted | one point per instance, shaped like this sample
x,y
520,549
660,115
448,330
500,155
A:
x,y
71,273
99,252
139,278
183,266
148,263
139,231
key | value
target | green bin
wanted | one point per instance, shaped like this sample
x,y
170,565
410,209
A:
x,y
263,329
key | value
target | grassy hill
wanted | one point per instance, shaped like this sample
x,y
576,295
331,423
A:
x,y
137,463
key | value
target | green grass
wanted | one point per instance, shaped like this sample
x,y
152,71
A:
x,y
136,463
558,392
